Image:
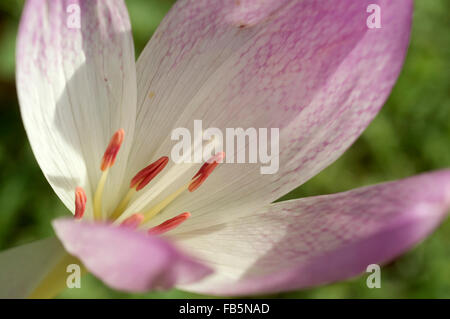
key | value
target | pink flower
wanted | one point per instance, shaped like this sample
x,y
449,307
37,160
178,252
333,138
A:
x,y
311,68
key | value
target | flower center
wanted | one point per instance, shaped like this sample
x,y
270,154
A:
x,y
137,183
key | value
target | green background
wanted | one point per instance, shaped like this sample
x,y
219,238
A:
x,y
410,135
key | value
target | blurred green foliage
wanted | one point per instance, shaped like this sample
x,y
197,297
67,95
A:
x,y
410,135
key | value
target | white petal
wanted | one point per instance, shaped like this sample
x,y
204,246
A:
x,y
76,86
318,74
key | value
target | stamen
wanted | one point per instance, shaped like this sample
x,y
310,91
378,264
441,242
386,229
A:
x,y
122,205
80,202
147,174
169,224
98,196
133,221
111,151
139,181
195,183
204,171
108,160
163,204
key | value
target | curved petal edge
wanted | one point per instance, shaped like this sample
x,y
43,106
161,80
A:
x,y
317,240
126,259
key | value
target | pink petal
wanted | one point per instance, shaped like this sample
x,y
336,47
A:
x,y
76,86
311,68
126,259
317,240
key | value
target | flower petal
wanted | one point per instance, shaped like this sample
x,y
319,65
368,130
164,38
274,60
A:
x,y
313,69
76,86
22,268
317,240
126,259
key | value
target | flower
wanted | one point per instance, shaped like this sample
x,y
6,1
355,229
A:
x,y
310,68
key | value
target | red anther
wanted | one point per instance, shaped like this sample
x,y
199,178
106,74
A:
x,y
80,202
204,171
169,224
133,221
113,148
148,173
218,158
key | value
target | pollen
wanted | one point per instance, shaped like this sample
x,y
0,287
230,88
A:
x,y
148,173
205,171
112,150
169,224
133,221
108,160
137,183
80,202
198,179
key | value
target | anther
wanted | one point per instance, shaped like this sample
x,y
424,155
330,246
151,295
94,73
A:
x,y
111,151
108,160
204,171
80,202
195,183
133,221
169,224
141,179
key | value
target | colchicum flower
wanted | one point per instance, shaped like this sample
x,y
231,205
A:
x,y
313,69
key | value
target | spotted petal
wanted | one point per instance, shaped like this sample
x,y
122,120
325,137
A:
x,y
126,259
76,82
317,240
313,69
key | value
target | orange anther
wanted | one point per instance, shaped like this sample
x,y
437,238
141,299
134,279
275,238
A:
x,y
204,171
144,176
80,202
133,221
169,224
113,148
